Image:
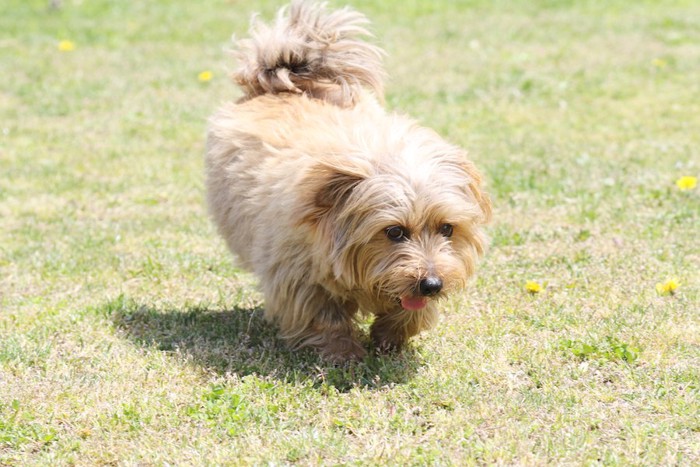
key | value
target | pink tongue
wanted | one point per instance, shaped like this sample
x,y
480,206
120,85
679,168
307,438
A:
x,y
413,303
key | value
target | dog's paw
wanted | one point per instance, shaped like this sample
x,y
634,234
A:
x,y
388,346
343,350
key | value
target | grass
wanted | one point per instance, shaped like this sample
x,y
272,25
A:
x,y
127,335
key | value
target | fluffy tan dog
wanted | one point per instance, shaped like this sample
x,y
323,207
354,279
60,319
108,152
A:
x,y
339,207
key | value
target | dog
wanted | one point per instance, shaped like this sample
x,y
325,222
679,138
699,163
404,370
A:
x,y
340,208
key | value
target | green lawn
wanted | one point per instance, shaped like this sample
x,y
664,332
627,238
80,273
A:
x,y
128,336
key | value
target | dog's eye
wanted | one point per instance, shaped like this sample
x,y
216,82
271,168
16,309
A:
x,y
446,230
396,233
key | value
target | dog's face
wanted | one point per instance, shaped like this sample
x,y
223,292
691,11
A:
x,y
403,230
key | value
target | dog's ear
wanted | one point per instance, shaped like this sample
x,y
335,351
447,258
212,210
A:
x,y
475,189
326,189
336,190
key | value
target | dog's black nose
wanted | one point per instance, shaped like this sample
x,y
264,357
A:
x,y
430,286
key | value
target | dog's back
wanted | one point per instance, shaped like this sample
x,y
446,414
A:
x,y
313,51
305,76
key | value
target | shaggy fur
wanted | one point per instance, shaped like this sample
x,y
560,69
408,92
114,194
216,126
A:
x,y
338,207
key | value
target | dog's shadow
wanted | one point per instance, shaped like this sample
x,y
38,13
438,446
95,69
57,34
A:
x,y
239,341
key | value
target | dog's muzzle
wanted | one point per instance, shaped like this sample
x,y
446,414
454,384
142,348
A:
x,y
430,286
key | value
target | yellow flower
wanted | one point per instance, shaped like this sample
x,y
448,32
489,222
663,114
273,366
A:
x,y
686,183
205,76
667,288
533,287
66,46
659,63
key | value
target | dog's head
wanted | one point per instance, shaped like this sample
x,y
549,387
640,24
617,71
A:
x,y
402,228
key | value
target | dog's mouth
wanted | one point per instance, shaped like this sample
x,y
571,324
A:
x,y
413,303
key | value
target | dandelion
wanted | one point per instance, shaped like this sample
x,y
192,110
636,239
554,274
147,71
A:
x,y
205,76
66,46
659,63
533,287
687,183
667,288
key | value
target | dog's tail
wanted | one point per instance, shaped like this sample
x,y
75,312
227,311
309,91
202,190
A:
x,y
310,50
